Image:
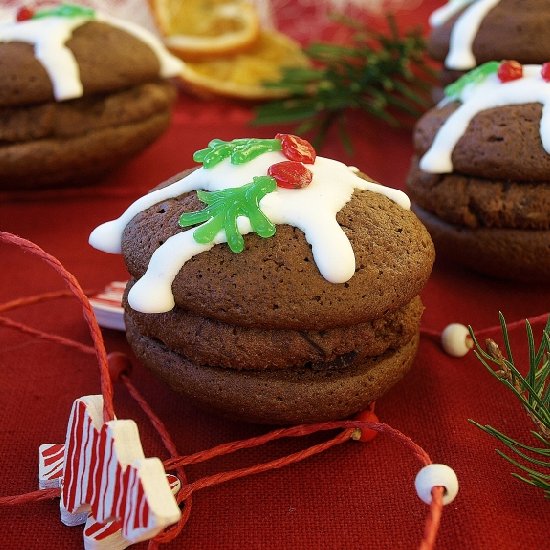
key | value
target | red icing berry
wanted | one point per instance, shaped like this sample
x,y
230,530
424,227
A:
x,y
24,14
509,71
366,434
296,148
290,174
545,72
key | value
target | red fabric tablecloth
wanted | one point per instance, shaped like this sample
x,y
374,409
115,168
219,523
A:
x,y
350,497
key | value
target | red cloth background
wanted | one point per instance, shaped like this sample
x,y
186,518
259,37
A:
x,y
350,497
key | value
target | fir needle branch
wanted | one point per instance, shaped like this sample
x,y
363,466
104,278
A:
x,y
531,373
534,483
533,392
344,136
545,343
305,126
540,437
533,473
295,110
504,330
383,74
516,445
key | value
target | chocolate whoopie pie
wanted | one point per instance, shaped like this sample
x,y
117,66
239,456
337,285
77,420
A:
x,y
308,317
79,94
480,180
468,33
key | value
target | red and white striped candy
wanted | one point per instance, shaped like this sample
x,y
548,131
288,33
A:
x,y
50,465
107,306
108,536
107,478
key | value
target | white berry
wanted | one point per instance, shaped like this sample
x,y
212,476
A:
x,y
436,475
456,340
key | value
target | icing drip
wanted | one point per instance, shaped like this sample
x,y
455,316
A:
x,y
447,11
312,209
478,97
460,56
49,36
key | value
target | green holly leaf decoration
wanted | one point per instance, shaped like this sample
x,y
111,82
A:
x,y
240,151
225,206
65,10
475,76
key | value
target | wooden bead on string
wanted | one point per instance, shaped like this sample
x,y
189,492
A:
x,y
119,364
456,340
365,434
436,475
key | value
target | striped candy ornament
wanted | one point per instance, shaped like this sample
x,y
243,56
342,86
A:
x,y
50,465
106,482
109,536
97,536
107,306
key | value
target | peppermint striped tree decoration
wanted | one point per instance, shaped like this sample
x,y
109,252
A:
x,y
106,482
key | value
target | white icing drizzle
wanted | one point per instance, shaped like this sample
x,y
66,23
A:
x,y
312,209
531,88
49,35
460,56
447,11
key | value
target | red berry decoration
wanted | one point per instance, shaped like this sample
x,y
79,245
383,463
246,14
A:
x,y
296,148
509,71
366,434
290,174
24,14
545,72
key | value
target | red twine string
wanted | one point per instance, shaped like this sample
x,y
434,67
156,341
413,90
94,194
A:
x,y
176,462
172,532
95,331
29,300
26,498
432,521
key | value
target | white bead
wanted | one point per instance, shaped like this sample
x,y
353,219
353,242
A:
x,y
436,475
456,340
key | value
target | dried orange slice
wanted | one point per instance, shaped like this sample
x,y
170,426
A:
x,y
200,29
244,75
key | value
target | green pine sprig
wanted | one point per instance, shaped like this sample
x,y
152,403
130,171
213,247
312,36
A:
x,y
69,11
533,392
383,74
225,206
475,76
239,151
